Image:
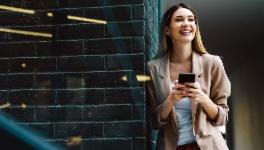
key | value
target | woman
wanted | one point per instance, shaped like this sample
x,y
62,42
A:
x,y
187,114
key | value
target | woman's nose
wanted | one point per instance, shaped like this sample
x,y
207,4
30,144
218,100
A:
x,y
185,23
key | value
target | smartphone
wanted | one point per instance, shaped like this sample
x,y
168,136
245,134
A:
x,y
186,77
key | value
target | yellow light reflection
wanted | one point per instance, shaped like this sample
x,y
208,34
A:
x,y
86,19
75,140
23,65
6,105
23,105
15,9
50,14
124,78
41,34
142,78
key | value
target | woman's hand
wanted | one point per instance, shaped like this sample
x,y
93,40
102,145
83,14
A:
x,y
178,92
195,93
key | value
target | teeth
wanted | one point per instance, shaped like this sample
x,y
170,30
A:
x,y
186,32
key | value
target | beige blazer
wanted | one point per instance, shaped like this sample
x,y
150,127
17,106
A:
x,y
214,82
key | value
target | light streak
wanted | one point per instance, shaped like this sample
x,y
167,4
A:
x,y
26,32
15,9
86,19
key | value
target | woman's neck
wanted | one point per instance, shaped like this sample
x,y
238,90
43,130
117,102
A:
x,y
181,53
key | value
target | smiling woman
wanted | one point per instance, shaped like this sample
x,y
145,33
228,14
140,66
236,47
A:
x,y
186,114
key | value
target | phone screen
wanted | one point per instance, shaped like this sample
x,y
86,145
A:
x,y
186,77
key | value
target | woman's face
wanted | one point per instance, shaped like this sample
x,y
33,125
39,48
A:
x,y
182,27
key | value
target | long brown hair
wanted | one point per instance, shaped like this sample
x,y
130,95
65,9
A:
x,y
165,40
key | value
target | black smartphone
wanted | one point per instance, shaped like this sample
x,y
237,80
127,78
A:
x,y
186,77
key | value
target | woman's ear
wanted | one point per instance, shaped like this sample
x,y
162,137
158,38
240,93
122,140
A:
x,y
167,30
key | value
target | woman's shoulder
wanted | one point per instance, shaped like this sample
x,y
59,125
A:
x,y
212,61
153,62
210,58
156,61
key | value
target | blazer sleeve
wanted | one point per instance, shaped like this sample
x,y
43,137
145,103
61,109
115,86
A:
x,y
153,106
220,91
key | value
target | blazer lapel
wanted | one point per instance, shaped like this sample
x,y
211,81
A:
x,y
163,70
197,68
165,81
197,64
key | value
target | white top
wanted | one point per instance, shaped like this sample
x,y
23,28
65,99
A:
x,y
184,120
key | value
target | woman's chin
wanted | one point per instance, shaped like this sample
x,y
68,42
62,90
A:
x,y
186,40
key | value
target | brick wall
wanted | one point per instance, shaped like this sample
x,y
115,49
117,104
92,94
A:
x,y
71,85
151,27
151,47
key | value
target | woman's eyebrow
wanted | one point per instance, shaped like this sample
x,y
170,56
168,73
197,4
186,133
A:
x,y
180,16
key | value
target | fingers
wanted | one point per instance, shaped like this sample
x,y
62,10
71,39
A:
x,y
192,93
179,92
195,85
179,87
191,90
189,94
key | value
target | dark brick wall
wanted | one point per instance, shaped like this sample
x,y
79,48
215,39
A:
x,y
151,27
82,81
151,46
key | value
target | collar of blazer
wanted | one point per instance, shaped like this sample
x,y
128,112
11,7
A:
x,y
197,66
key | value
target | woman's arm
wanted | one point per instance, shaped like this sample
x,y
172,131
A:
x,y
220,91
215,105
159,111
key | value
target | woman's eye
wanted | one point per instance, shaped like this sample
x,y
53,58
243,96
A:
x,y
177,20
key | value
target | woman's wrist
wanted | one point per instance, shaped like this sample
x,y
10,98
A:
x,y
170,100
166,108
210,107
206,102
